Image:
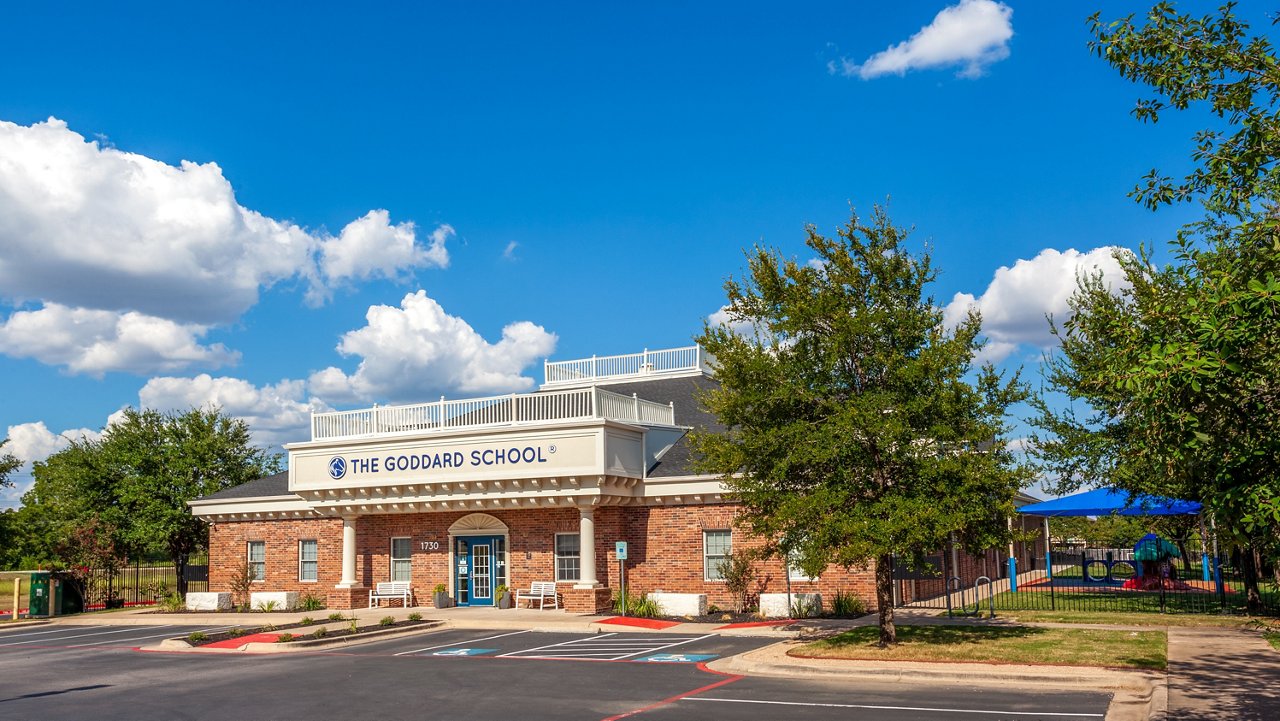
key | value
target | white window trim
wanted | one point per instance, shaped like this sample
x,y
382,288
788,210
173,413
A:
x,y
317,561
795,573
248,555
706,567
555,553
391,557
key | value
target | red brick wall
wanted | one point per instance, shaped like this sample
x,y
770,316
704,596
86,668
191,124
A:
x,y
664,551
228,548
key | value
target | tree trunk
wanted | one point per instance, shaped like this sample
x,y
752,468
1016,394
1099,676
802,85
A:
x,y
1249,564
884,600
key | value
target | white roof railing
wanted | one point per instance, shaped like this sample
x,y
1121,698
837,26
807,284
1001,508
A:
x,y
632,365
495,411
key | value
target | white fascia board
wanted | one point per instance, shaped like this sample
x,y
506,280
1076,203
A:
x,y
260,504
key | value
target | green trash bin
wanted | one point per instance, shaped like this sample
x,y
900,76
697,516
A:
x,y
38,595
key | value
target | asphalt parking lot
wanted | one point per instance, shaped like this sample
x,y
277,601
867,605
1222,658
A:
x,y
68,672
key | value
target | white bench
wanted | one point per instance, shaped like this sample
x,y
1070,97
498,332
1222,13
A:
x,y
540,591
390,590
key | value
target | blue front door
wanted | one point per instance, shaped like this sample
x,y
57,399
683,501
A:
x,y
480,567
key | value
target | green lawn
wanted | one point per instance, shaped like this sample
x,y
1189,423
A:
x,y
1020,645
1039,598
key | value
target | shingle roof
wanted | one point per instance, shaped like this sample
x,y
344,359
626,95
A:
x,y
276,485
683,393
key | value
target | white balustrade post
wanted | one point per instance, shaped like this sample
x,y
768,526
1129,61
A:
x,y
440,412
514,416
348,553
635,406
595,393
587,547
697,356
594,372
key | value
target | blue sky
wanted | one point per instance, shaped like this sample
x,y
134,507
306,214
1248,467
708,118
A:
x,y
388,204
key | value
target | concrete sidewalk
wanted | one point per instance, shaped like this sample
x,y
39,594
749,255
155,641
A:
x,y
1222,674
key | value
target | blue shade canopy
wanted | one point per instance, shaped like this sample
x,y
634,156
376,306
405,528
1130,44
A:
x,y
1106,501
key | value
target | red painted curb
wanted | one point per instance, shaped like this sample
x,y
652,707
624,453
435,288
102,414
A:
x,y
640,622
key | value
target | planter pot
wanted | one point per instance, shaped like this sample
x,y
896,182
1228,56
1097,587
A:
x,y
441,600
504,601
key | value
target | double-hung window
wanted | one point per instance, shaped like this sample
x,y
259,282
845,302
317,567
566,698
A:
x,y
716,546
401,561
308,560
258,559
568,557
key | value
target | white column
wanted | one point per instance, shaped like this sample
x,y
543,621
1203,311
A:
x,y
348,553
587,547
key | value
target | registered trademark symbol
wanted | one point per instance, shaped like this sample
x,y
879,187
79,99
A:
x,y
551,448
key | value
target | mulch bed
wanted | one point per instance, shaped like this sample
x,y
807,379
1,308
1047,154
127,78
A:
x,y
303,632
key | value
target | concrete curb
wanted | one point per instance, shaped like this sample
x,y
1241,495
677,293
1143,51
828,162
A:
x,y
1136,695
179,645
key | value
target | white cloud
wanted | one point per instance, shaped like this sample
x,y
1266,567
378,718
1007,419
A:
x,y
418,351
971,33
85,225
1015,303
722,317
96,341
509,253
30,443
276,413
372,247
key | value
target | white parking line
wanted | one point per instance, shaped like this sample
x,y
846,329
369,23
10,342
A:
x,y
215,629
63,629
459,643
82,635
897,708
607,647
670,645
555,645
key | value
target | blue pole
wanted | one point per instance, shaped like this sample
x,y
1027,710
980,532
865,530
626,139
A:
x,y
1048,563
1217,576
1204,565
1013,574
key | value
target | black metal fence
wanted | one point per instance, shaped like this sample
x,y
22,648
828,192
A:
x,y
1083,577
139,584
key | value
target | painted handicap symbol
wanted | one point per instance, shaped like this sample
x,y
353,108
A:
x,y
677,658
464,652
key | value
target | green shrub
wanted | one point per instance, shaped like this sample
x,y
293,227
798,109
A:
x,y
335,616
173,603
713,609
354,625
236,632
738,570
284,638
847,605
306,621
195,638
440,588
310,602
802,608
267,628
387,621
268,606
320,632
640,606
415,616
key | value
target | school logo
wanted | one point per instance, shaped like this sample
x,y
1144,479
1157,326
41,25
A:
x,y
337,467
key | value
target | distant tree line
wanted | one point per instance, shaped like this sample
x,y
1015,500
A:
x,y
99,503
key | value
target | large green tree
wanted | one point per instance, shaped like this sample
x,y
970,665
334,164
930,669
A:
x,y
1173,377
858,431
137,478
